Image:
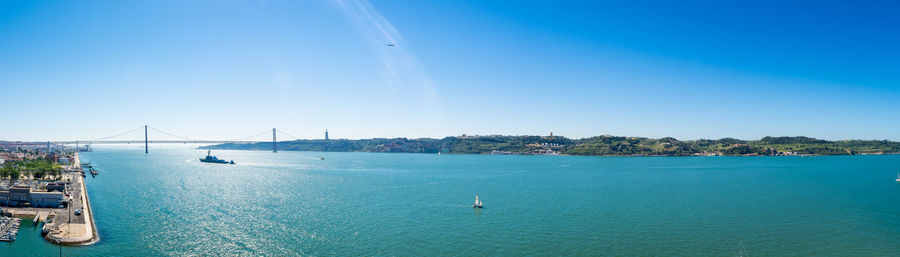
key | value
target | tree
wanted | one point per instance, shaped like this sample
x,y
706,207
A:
x,y
38,174
57,173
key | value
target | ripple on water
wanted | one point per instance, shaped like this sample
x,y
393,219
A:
x,y
291,203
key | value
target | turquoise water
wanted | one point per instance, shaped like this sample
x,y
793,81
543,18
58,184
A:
x,y
292,203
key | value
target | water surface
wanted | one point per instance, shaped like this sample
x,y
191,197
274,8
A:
x,y
293,203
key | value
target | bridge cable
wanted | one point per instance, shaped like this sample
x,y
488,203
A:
x,y
194,139
245,138
286,134
173,135
117,135
187,138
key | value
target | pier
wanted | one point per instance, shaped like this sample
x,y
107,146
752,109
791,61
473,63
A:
x,y
70,228
72,221
65,226
40,216
9,227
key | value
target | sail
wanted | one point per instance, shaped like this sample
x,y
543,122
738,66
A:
x,y
476,199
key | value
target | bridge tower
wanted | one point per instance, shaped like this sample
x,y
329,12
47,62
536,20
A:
x,y
274,142
146,145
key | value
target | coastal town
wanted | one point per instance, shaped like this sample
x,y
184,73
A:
x,y
44,183
604,145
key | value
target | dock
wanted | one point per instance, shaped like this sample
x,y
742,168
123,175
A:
x,y
40,216
9,228
71,223
72,229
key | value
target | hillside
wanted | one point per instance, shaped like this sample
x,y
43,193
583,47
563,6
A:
x,y
600,145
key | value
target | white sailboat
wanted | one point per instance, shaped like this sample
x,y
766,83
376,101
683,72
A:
x,y
478,203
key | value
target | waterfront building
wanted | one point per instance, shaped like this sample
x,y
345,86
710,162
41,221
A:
x,y
46,199
22,195
56,186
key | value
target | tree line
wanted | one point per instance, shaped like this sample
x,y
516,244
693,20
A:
x,y
599,145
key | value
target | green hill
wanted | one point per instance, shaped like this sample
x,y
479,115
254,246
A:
x,y
600,145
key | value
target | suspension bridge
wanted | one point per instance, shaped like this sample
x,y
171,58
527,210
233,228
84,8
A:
x,y
115,139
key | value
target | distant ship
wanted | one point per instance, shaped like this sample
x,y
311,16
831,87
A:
x,y
478,203
213,159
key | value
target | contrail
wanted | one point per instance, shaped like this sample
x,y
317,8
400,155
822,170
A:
x,y
404,70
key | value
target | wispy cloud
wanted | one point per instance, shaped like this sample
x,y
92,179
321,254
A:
x,y
404,71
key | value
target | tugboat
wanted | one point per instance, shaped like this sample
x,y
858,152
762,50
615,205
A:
x,y
478,204
213,159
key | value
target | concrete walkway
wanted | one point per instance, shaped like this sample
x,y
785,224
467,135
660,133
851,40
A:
x,y
76,233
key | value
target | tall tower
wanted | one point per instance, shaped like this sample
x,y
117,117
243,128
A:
x,y
146,145
274,142
326,134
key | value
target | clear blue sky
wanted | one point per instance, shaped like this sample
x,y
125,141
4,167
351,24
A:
x,y
228,69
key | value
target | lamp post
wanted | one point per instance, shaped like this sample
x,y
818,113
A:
x,y
69,210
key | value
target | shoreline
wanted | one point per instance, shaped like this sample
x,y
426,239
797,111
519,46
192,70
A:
x,y
580,155
606,145
89,235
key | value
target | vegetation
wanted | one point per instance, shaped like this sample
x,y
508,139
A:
x,y
404,145
600,145
36,168
613,145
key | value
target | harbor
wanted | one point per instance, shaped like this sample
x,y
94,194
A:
x,y
76,225
169,203
62,208
9,228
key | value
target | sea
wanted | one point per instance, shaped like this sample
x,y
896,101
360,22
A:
x,y
168,203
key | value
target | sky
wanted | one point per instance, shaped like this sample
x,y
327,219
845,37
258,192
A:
x,y
80,70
